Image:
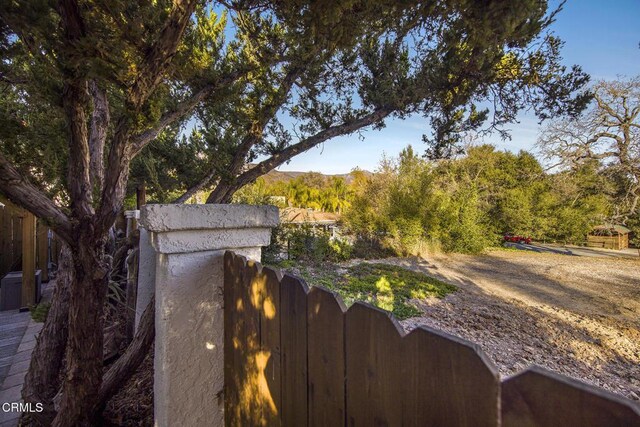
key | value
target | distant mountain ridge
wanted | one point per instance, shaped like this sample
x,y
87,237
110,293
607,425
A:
x,y
279,176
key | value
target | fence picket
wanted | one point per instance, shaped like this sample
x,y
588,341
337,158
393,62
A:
x,y
10,237
443,378
374,349
293,345
253,396
17,241
537,397
270,346
326,358
233,326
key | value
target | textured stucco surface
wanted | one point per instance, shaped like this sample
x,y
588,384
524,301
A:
x,y
208,240
158,218
188,282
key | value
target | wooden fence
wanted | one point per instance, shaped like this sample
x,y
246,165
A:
x,y
295,356
12,232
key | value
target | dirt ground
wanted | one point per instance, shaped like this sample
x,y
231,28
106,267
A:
x,y
574,315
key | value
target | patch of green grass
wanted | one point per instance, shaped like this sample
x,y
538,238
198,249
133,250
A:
x,y
386,286
39,312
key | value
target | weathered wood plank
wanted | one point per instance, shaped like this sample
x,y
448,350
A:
x,y
42,241
293,347
270,344
254,396
233,317
28,259
447,382
55,249
537,397
326,358
16,241
374,374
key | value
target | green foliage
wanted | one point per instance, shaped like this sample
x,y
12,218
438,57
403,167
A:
x,y
305,243
257,193
40,311
466,204
280,73
367,247
340,250
389,287
311,190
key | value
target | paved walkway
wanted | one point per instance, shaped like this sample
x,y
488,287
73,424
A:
x,y
17,338
12,327
576,250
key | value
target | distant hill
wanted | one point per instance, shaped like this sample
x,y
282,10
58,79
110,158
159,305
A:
x,y
279,176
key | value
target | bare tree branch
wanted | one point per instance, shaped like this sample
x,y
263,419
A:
x,y
604,133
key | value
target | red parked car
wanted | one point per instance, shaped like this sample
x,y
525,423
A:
x,y
517,239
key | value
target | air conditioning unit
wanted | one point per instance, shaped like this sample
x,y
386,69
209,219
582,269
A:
x,y
11,290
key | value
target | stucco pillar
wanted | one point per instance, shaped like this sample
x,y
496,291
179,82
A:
x,y
189,242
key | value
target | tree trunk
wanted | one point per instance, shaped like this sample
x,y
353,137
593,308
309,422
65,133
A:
x,y
85,342
127,364
42,380
132,292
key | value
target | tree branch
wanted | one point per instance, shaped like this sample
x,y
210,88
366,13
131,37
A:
x,y
224,190
120,371
162,51
116,175
27,195
141,140
74,101
98,134
304,145
197,187
599,135
149,76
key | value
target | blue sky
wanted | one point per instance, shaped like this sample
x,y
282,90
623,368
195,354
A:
x,y
601,36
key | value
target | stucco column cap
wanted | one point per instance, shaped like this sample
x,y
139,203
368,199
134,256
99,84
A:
x,y
196,228
167,218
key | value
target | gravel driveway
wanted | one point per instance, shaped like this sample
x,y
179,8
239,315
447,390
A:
x,y
574,315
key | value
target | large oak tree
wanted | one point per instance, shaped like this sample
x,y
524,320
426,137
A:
x,y
88,86
608,133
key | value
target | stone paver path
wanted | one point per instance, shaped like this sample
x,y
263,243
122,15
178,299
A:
x,y
12,327
17,339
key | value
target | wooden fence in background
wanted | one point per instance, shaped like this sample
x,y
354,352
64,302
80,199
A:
x,y
297,357
12,232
